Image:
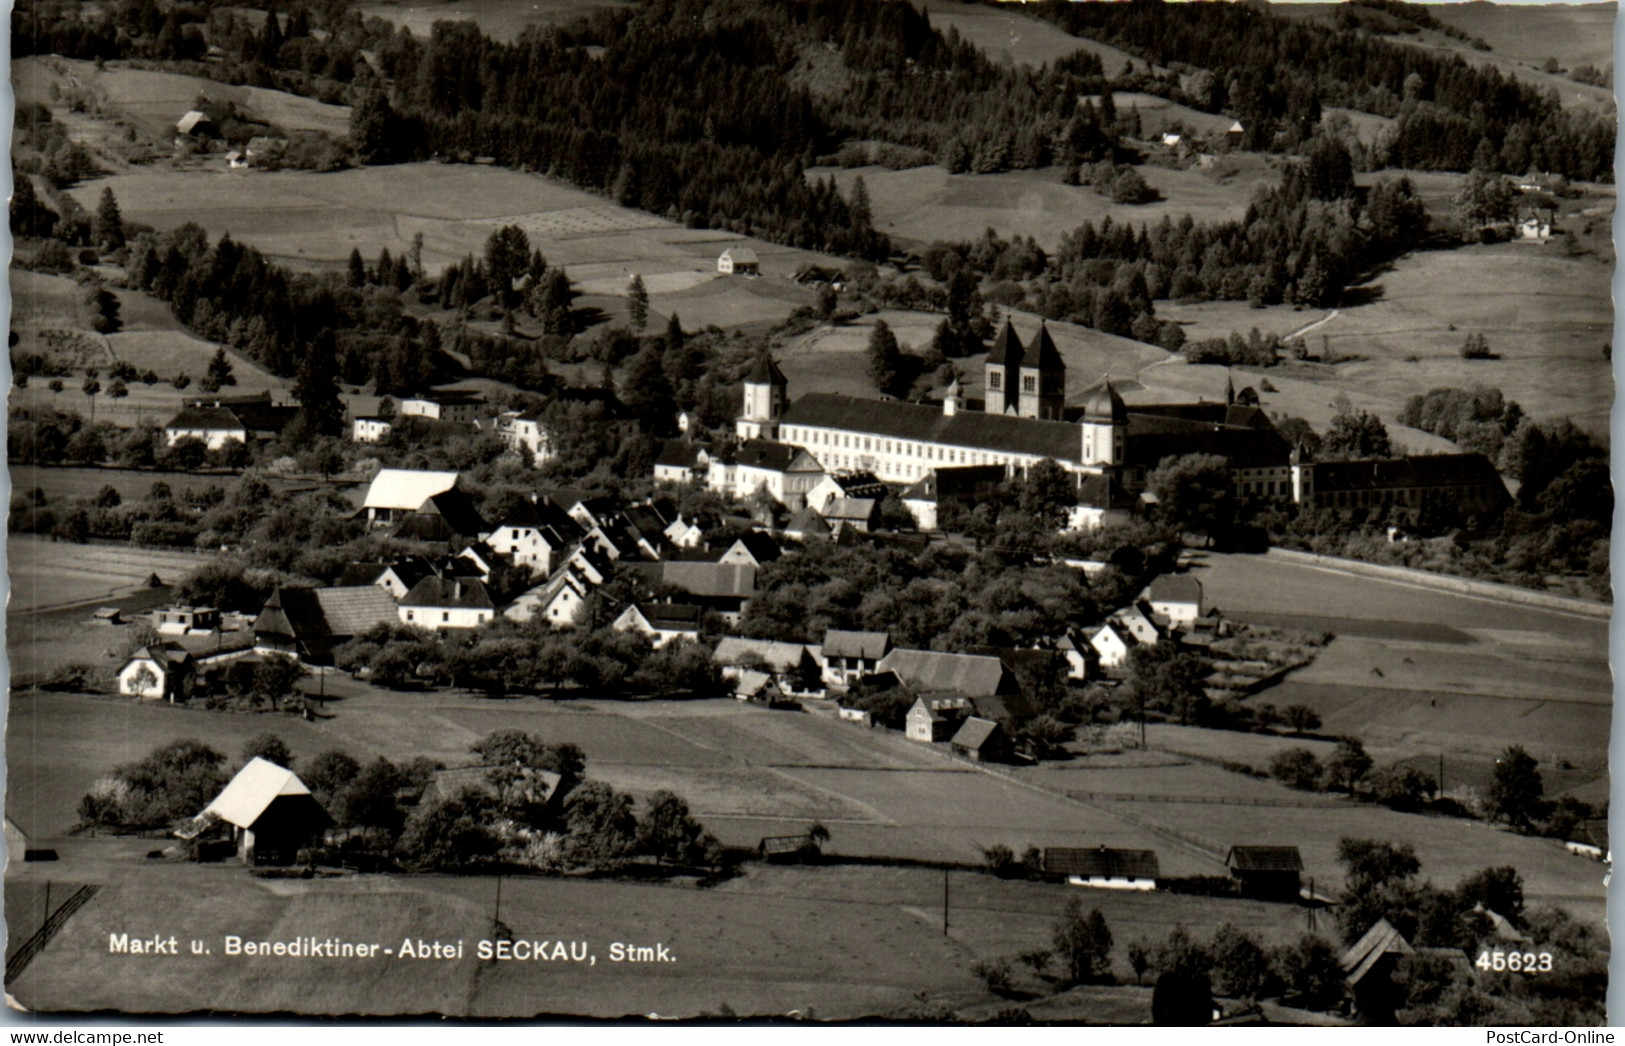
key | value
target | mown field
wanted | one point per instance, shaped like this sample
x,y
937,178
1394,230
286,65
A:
x,y
1011,38
1546,317
925,204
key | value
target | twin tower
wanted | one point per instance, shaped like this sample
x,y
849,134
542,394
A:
x,y
1028,382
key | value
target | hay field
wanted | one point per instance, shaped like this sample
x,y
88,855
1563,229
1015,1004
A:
x,y
1546,316
927,203
502,20
48,574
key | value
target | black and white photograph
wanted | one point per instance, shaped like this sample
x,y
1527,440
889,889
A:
x,y
936,512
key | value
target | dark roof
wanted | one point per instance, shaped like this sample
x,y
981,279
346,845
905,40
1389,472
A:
x,y
956,482
456,507
970,674
211,419
841,643
1176,588
1007,348
976,733
1002,706
765,371
447,397
711,579
766,454
647,521
1242,448
1042,352
1169,417
806,522
1101,862
315,614
1103,491
1264,859
408,571
927,424
678,453
675,617
860,484
1433,470
761,547
361,574
614,409
449,592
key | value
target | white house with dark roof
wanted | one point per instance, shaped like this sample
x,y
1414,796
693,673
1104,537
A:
x,y
785,471
458,406
439,603
849,656
158,670
215,426
535,534
1175,597
661,622
739,261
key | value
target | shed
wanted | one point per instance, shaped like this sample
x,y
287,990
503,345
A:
x,y
739,261
983,741
1104,867
1266,872
787,849
271,812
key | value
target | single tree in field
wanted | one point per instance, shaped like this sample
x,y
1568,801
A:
x,y
507,258
109,223
55,385
1349,765
117,390
180,381
637,302
1301,718
220,369
1516,791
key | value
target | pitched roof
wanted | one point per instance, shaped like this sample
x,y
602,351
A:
x,y
766,372
670,617
975,733
869,645
969,674
807,522
208,419
778,656
742,255
761,547
1101,862
251,792
163,654
679,453
1007,348
405,490
767,454
352,610
440,592
1042,352
355,573
1176,588
927,424
1103,491
1431,470
710,579
956,482
852,509
1185,417
450,513
1002,706
1264,859
1382,939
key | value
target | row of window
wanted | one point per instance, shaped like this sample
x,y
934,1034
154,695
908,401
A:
x,y
874,444
1393,495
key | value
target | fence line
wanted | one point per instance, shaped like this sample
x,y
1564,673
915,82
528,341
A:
x,y
31,948
1216,800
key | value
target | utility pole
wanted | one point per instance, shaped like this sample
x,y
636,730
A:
x,y
945,902
1441,775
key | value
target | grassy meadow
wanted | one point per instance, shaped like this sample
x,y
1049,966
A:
x,y
501,20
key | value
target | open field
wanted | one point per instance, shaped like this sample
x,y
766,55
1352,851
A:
x,y
1010,38
315,220
1545,316
501,20
925,204
47,573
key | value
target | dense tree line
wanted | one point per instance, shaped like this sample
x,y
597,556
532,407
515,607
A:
x,y
1276,73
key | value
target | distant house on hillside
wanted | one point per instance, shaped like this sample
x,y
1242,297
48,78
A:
x,y
739,261
194,124
1535,227
1104,868
246,419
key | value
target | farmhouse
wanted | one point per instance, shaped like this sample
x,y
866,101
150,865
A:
x,y
1266,872
834,488
792,666
177,620
739,261
307,623
194,124
458,406
394,493
681,461
215,426
935,717
439,603
1112,645
930,670
753,548
849,656
535,533
723,588
370,428
857,514
271,813
158,670
1103,867
1175,597
661,622
447,518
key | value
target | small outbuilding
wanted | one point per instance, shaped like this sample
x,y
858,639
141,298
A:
x,y
1266,872
158,670
982,741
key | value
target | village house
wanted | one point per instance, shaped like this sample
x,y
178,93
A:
x,y
1104,868
370,428
982,741
722,588
739,261
783,471
960,487
535,533
524,435
856,514
1112,645
271,814
935,717
753,548
1138,623
396,493
457,406
179,620
559,600
972,675
439,603
1176,598
661,622
807,525
158,671
448,518
849,656
680,461
793,666
846,485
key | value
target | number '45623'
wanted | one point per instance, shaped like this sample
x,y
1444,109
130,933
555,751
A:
x,y
1516,962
